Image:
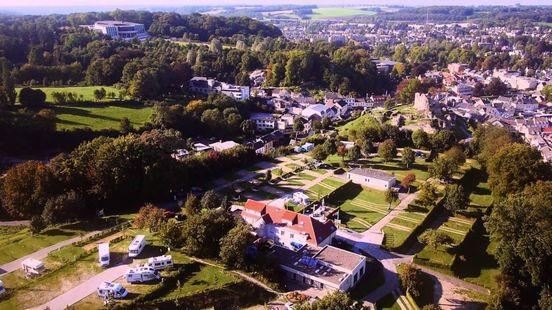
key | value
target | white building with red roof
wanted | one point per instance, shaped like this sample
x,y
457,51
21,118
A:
x,y
287,228
303,247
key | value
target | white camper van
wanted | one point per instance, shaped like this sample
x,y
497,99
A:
x,y
114,289
161,262
32,267
103,254
137,245
2,289
142,274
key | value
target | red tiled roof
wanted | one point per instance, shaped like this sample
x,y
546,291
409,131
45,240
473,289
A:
x,y
254,206
314,229
547,130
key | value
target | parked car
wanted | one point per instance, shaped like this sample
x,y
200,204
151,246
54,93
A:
x,y
116,290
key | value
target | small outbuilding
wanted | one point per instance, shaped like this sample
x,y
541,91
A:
x,y
372,178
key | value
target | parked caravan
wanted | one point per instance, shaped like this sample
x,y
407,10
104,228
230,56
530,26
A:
x,y
137,245
103,254
161,262
142,274
115,290
2,289
32,267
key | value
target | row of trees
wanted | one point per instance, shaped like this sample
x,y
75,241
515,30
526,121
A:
x,y
113,174
520,222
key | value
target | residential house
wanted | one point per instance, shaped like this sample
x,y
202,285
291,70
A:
x,y
222,146
318,111
287,228
264,121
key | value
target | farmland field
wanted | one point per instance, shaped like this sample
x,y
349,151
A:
x,y
87,92
325,13
100,116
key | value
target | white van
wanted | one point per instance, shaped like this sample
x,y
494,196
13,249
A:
x,y
32,267
2,289
103,254
137,245
142,274
161,262
114,289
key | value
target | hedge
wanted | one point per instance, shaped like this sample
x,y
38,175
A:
x,y
420,228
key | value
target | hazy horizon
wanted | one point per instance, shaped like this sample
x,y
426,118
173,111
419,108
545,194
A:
x,y
179,3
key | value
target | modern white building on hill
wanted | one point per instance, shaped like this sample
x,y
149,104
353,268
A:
x,y
120,30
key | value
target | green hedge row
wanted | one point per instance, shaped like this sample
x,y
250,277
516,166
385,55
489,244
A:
x,y
420,228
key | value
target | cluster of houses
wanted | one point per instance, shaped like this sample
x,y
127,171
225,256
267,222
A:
x,y
290,107
523,110
370,35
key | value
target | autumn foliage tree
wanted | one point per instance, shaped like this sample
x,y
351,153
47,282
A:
x,y
407,181
150,217
25,189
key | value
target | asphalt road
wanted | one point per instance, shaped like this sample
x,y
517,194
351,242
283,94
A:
x,y
41,254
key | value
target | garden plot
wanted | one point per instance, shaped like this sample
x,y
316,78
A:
x,y
360,208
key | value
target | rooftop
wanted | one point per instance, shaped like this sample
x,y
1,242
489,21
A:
x,y
302,261
375,174
339,258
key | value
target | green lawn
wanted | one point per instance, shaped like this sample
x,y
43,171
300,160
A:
x,y
360,207
18,242
87,92
357,124
479,265
66,273
443,256
306,176
419,168
334,12
100,116
204,277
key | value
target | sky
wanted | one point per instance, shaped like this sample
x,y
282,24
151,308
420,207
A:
x,y
159,3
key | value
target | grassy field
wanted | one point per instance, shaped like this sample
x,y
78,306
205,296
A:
x,y
17,242
335,12
100,116
457,229
66,274
87,92
357,124
360,207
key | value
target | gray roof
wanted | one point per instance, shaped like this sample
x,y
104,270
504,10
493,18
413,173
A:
x,y
374,174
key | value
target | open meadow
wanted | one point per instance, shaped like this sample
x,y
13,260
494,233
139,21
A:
x,y
100,116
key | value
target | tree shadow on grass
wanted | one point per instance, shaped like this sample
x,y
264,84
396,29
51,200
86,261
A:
x,y
151,251
56,232
475,257
82,113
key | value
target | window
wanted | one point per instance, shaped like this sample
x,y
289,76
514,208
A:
x,y
362,271
291,236
281,232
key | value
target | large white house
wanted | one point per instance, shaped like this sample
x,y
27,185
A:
x,y
372,178
302,247
119,30
287,228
